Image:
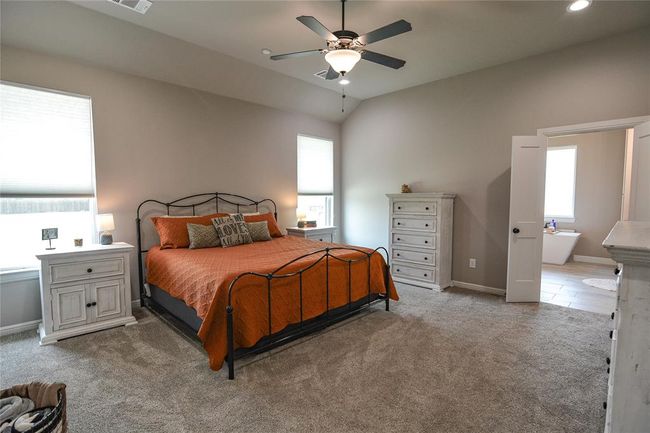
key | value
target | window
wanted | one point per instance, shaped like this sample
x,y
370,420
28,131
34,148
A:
x,y
46,171
316,179
560,182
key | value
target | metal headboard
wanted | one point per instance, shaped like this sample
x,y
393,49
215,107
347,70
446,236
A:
x,y
235,202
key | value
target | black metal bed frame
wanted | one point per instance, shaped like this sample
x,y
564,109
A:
x,y
291,332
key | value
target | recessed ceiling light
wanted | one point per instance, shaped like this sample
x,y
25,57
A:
x,y
266,51
344,81
579,5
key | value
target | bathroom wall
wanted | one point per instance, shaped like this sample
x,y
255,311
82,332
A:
x,y
599,185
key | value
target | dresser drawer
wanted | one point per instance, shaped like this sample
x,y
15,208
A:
x,y
420,207
324,237
406,271
428,258
83,270
425,241
428,224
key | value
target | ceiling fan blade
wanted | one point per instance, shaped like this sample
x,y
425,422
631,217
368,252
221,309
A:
x,y
397,28
317,27
296,54
331,74
382,59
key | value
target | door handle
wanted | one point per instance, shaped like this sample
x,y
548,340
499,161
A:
x,y
515,230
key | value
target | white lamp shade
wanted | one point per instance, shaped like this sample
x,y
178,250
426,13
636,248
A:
x,y
342,60
301,214
105,222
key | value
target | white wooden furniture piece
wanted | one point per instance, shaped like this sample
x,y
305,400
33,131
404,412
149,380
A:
x,y
84,290
323,234
628,407
420,235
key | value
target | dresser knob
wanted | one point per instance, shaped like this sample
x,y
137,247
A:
x,y
94,303
604,405
426,242
425,275
426,208
397,270
399,224
88,305
426,258
608,361
617,271
612,315
426,225
611,334
607,370
399,207
397,254
89,270
398,239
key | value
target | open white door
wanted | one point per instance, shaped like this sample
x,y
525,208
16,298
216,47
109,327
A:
x,y
639,205
527,180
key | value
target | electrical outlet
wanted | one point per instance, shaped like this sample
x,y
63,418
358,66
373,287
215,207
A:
x,y
472,263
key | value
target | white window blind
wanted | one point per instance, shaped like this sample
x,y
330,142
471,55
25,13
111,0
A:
x,y
46,144
315,166
560,182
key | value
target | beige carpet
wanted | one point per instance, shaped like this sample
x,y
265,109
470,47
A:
x,y
450,362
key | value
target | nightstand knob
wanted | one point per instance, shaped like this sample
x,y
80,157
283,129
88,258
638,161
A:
x,y
399,224
89,270
399,207
94,303
88,305
397,270
426,225
397,254
321,239
399,239
426,242
426,258
425,275
426,208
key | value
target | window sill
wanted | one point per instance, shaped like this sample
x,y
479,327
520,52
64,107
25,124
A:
x,y
559,219
18,275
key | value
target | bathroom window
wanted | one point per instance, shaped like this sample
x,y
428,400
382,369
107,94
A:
x,y
559,200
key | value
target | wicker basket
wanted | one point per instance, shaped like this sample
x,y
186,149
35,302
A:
x,y
44,395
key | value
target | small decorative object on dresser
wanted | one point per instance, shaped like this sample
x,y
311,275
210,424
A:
x,y
323,234
84,289
105,225
406,189
48,235
420,232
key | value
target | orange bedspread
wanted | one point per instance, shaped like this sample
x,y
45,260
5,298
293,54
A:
x,y
201,278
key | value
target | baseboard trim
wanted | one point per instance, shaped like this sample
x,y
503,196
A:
x,y
592,259
479,288
19,327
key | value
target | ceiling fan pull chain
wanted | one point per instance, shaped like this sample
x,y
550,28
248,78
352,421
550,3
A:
x,y
342,101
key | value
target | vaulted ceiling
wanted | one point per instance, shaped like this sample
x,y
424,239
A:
x,y
448,38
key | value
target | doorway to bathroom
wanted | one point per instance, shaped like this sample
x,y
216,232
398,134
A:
x,y
584,195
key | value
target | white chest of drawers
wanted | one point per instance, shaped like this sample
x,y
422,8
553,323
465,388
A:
x,y
84,290
628,403
420,236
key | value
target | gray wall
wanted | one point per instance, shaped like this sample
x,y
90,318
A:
x,y
158,140
455,135
599,185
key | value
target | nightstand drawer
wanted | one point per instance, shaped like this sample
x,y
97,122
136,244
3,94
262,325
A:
x,y
324,237
428,258
428,224
425,241
422,207
64,272
405,271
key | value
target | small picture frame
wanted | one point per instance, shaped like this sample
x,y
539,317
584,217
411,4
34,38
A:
x,y
48,235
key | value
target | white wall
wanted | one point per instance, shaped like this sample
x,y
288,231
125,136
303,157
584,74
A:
x,y
455,135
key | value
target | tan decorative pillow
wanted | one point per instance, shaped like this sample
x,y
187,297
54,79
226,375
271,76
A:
x,y
203,236
232,230
259,231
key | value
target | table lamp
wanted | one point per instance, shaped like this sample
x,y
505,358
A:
x,y
105,225
301,215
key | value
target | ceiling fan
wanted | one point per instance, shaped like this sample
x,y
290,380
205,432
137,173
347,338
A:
x,y
345,47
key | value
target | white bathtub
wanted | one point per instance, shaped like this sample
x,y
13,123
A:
x,y
558,246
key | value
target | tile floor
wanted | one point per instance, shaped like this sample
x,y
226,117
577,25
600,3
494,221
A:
x,y
562,285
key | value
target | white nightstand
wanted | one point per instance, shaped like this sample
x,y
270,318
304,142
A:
x,y
323,234
84,290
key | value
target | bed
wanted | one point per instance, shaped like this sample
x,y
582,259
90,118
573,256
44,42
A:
x,y
251,298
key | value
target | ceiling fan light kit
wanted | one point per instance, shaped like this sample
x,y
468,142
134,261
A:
x,y
344,48
343,60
